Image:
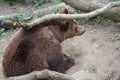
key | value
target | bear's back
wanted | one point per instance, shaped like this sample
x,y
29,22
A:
x,y
28,51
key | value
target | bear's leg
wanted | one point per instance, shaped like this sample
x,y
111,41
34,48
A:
x,y
65,64
61,63
69,62
56,63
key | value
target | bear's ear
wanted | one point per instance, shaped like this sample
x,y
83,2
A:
x,y
64,11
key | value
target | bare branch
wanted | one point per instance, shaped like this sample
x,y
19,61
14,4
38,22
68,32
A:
x,y
43,75
88,6
66,16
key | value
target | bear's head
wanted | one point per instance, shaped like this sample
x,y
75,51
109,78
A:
x,y
64,29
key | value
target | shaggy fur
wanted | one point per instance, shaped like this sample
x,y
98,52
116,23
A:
x,y
39,48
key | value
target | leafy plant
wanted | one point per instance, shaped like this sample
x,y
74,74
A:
x,y
54,2
24,17
10,2
1,30
87,79
37,2
115,0
107,78
75,11
97,19
92,69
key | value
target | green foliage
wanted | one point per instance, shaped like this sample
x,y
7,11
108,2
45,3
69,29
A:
x,y
75,11
115,0
37,2
87,79
92,69
36,16
54,2
97,19
2,30
1,0
10,2
107,78
46,5
24,17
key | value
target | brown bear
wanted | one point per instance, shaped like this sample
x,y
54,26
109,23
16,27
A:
x,y
39,48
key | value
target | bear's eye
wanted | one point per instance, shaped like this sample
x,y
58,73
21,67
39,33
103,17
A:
x,y
64,27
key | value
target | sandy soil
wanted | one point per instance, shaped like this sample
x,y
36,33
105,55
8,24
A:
x,y
96,53
6,9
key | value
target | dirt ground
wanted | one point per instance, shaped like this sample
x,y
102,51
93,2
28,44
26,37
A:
x,y
96,53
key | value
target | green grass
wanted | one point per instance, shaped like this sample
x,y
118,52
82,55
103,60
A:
x,y
25,17
37,2
97,19
11,2
87,79
54,2
46,5
107,78
1,31
115,0
92,69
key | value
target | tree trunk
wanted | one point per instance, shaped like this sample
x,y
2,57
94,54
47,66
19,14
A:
x,y
88,6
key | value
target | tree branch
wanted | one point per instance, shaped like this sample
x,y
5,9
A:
x,y
49,17
43,75
88,6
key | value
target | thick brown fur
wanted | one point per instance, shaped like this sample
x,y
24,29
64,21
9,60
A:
x,y
39,48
